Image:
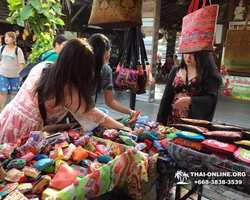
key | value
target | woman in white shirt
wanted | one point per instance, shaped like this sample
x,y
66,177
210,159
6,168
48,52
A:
x,y
12,62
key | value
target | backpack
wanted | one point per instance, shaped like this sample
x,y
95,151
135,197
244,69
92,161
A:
x,y
25,72
16,50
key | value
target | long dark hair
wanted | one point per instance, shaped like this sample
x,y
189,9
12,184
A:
x,y
100,44
74,67
60,38
205,68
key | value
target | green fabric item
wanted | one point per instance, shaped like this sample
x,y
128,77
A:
x,y
50,169
171,135
51,58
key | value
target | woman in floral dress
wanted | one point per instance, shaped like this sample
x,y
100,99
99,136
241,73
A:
x,y
191,90
64,86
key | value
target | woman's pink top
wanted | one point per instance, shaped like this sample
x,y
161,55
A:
x,y
22,115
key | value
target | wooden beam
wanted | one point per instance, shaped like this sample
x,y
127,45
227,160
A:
x,y
78,12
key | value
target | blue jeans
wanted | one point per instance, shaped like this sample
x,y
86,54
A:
x,y
6,83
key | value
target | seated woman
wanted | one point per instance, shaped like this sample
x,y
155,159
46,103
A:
x,y
64,86
191,90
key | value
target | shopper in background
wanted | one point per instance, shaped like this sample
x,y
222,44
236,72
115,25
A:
x,y
176,61
58,43
64,86
12,62
103,73
170,65
191,90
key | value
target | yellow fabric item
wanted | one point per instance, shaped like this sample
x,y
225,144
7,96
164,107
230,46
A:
x,y
57,154
58,163
243,142
49,192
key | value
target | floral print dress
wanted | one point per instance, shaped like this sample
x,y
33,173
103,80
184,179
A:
x,y
180,90
22,115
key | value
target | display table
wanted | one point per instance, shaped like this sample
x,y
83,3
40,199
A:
x,y
181,158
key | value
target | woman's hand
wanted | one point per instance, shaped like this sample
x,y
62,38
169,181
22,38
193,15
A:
x,y
181,103
125,128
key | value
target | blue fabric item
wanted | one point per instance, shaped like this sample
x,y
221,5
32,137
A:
x,y
40,156
125,120
190,136
125,133
104,159
142,120
158,146
43,163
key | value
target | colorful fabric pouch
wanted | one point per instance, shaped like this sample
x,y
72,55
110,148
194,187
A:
x,y
127,77
110,134
158,146
79,154
243,143
90,147
57,154
152,123
224,128
190,136
16,163
2,171
118,150
225,136
102,149
186,143
14,175
80,171
128,141
36,136
62,144
91,154
156,133
142,120
28,157
164,143
73,135
24,187
29,147
196,122
40,156
68,151
242,155
7,189
48,192
125,133
219,146
16,195
190,128
147,135
43,163
163,129
60,180
134,117
41,185
82,141
31,171
171,135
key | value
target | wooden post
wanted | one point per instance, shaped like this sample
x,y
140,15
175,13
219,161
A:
x,y
151,23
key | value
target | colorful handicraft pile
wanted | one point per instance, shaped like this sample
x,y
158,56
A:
x,y
225,142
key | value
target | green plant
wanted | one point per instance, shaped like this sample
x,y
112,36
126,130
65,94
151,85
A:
x,y
39,17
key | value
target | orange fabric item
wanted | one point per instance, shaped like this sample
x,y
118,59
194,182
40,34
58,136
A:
x,y
79,154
